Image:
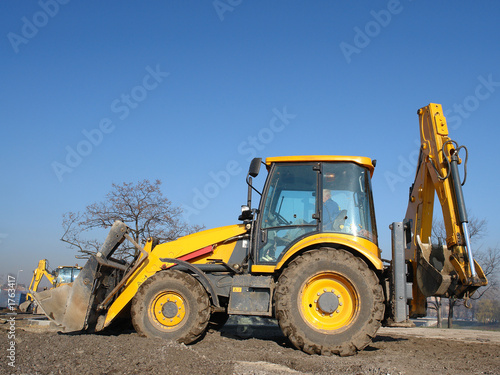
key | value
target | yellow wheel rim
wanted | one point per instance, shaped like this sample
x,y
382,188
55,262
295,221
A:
x,y
328,301
168,309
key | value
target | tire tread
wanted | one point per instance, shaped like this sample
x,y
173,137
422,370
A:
x,y
360,339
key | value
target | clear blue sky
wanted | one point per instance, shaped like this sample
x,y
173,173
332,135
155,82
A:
x,y
95,93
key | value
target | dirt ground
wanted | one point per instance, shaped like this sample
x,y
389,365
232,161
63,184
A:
x,y
244,349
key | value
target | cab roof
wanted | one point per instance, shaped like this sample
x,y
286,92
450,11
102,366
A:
x,y
361,160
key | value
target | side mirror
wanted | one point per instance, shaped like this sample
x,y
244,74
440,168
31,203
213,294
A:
x,y
254,168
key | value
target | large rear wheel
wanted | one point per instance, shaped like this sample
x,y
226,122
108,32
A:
x,y
171,305
329,302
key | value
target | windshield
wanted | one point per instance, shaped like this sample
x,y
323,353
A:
x,y
347,200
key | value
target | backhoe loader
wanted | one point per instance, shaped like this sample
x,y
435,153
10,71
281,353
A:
x,y
307,256
60,276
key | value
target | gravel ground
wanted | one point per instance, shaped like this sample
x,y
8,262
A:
x,y
245,349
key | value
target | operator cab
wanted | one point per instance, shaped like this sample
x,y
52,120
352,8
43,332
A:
x,y
65,275
311,195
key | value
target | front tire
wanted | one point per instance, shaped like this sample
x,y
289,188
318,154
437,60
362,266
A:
x,y
329,302
171,305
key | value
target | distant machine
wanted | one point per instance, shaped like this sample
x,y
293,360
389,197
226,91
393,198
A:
x,y
62,275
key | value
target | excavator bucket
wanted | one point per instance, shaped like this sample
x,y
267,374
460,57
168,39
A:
x,y
439,273
26,306
71,306
434,278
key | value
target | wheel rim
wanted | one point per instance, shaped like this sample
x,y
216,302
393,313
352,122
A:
x,y
168,310
328,301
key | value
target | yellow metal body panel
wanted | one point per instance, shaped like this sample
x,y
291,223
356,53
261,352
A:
x,y
360,245
175,249
256,268
364,161
196,241
222,252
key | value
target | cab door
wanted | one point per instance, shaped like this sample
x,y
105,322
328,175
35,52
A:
x,y
289,209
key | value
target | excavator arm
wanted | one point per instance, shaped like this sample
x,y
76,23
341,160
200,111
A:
x,y
38,274
449,269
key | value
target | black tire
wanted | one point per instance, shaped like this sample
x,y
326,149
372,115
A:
x,y
172,305
329,302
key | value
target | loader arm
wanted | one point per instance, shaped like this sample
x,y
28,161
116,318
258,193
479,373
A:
x,y
104,286
447,270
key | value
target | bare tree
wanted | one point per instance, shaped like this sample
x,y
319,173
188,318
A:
x,y
488,311
435,303
477,229
489,260
476,226
452,301
141,206
73,235
490,263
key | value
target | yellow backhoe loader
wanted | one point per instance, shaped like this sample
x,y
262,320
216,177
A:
x,y
307,256
60,276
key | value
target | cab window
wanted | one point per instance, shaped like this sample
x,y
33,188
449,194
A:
x,y
289,206
347,200
66,275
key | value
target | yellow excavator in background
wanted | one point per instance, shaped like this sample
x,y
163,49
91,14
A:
x,y
307,256
60,276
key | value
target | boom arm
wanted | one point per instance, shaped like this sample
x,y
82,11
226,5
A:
x,y
38,273
443,270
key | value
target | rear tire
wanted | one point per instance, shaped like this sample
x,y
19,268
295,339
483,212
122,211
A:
x,y
171,305
329,302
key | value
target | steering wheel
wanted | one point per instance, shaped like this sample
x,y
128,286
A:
x,y
339,220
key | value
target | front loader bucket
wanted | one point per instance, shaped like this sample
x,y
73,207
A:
x,y
71,306
68,305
